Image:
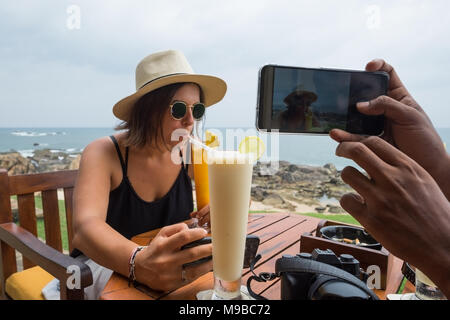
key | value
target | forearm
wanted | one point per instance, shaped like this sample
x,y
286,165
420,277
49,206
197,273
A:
x,y
434,259
444,283
437,268
442,176
98,241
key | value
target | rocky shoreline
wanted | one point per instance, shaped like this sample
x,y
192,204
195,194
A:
x,y
288,187
42,161
294,185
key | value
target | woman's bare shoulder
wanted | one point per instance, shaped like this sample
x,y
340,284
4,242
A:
x,y
100,152
99,147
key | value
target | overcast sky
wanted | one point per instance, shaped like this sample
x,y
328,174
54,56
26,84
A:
x,y
61,71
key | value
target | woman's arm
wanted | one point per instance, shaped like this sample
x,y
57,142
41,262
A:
x,y
92,235
159,266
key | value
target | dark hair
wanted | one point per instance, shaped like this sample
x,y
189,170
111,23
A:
x,y
144,123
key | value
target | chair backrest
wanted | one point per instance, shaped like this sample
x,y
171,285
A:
x,y
26,187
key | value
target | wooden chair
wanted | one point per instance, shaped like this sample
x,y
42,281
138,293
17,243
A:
x,y
24,239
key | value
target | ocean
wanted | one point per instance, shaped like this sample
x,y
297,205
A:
x,y
312,150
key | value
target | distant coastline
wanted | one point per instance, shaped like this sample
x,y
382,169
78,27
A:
x,y
68,140
310,150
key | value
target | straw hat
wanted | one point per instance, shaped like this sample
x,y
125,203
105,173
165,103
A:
x,y
300,91
167,67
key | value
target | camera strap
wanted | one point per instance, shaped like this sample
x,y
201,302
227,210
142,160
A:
x,y
294,264
262,277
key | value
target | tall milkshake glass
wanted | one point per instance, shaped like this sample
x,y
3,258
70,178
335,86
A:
x,y
230,178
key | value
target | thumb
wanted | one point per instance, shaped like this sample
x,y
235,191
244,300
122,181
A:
x,y
392,109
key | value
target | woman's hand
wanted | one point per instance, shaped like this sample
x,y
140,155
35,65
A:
x,y
400,205
160,265
407,127
203,215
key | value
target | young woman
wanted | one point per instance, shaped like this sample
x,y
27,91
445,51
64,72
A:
x,y
129,183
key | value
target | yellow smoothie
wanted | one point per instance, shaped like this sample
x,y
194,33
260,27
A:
x,y
200,177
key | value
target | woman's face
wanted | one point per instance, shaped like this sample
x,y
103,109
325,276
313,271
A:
x,y
190,94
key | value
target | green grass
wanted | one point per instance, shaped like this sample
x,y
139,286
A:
x,y
261,211
344,218
63,223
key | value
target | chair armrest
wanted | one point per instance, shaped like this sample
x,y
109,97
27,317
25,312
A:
x,y
51,260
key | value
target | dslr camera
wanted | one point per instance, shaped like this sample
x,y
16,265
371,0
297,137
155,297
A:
x,y
321,275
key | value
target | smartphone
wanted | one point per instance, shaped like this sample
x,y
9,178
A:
x,y
251,248
309,100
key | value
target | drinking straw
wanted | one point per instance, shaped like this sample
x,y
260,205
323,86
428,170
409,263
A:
x,y
200,144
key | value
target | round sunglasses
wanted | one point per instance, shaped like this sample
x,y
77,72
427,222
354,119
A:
x,y
178,110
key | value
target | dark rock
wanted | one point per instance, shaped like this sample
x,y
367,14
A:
x,y
273,199
335,209
334,181
15,164
258,194
306,169
330,167
287,177
283,163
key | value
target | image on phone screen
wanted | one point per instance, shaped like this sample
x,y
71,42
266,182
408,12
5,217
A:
x,y
318,100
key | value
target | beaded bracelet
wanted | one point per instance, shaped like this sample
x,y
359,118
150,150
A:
x,y
131,265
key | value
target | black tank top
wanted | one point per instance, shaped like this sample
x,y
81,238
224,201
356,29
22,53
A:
x,y
129,215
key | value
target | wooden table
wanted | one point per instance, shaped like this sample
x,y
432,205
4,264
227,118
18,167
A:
x,y
279,233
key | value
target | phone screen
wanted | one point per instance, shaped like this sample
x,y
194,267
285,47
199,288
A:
x,y
305,100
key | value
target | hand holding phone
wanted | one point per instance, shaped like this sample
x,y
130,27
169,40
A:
x,y
307,100
251,248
